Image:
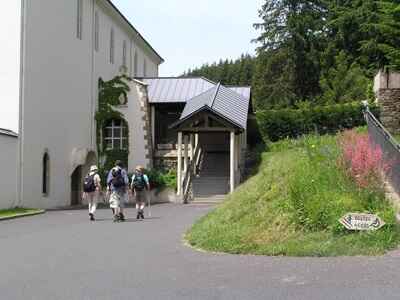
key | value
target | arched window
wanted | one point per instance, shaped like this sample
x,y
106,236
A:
x,y
45,173
116,135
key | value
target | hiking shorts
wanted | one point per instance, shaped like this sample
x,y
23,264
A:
x,y
115,200
124,200
140,196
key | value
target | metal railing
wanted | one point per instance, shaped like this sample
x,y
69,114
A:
x,y
190,172
389,146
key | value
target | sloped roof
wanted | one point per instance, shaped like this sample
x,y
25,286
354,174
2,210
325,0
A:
x,y
182,89
222,101
176,90
8,132
245,91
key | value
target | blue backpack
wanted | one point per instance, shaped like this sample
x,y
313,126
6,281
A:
x,y
117,180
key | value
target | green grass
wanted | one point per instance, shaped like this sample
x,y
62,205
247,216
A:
x,y
17,211
397,138
292,206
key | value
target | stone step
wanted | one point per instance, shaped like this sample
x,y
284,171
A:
x,y
210,179
210,192
211,200
212,184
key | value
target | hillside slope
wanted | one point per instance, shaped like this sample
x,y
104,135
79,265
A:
x,y
292,206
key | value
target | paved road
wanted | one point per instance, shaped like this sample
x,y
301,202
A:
x,y
60,255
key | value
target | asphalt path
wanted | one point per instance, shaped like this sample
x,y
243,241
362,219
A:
x,y
61,255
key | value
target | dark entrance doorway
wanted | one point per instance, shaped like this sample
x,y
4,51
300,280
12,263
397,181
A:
x,y
76,186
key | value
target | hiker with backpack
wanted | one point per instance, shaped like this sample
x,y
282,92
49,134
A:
x,y
92,190
140,183
117,182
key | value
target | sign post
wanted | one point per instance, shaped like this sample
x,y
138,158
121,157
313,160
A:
x,y
356,221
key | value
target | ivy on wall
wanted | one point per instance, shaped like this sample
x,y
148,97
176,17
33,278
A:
x,y
111,94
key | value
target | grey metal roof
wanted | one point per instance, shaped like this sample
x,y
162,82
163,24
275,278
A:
x,y
175,90
182,89
8,132
245,91
221,100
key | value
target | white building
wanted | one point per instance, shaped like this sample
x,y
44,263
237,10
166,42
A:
x,y
8,165
67,46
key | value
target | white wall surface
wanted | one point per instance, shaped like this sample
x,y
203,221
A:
x,y
60,80
10,28
8,175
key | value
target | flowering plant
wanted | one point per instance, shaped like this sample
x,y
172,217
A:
x,y
361,159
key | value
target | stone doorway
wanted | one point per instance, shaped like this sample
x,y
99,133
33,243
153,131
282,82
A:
x,y
77,178
76,186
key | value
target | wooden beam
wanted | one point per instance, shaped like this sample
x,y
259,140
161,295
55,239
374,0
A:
x,y
179,169
232,162
186,154
205,129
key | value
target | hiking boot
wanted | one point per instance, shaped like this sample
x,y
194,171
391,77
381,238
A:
x,y
121,217
115,219
142,215
91,217
138,216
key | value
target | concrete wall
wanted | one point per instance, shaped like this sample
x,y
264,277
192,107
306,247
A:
x,y
60,90
8,175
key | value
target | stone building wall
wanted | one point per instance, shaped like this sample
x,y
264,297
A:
x,y
387,91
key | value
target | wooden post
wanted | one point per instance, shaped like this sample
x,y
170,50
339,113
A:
x,y
191,147
237,163
232,162
186,154
196,140
179,169
196,144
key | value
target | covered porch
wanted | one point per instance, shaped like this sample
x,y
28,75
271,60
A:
x,y
211,144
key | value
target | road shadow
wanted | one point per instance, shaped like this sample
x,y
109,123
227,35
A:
x,y
141,220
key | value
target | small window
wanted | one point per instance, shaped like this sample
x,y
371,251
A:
x,y
96,31
144,68
116,135
45,174
79,19
135,65
124,50
112,44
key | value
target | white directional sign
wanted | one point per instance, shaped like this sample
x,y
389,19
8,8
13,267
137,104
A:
x,y
356,221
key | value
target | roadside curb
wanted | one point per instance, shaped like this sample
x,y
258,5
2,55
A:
x,y
40,212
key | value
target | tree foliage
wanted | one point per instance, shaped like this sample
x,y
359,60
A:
x,y
315,52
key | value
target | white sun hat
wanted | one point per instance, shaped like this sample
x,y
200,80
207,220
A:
x,y
93,169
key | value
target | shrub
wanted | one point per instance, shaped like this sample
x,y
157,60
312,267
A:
x,y
292,123
361,159
160,179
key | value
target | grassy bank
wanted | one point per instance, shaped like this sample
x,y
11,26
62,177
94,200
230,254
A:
x,y
17,212
292,206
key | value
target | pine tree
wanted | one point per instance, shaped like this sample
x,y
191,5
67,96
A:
x,y
344,82
272,86
297,28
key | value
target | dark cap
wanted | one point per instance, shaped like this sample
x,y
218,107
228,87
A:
x,y
119,163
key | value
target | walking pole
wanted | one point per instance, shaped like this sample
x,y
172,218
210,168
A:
x,y
148,200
